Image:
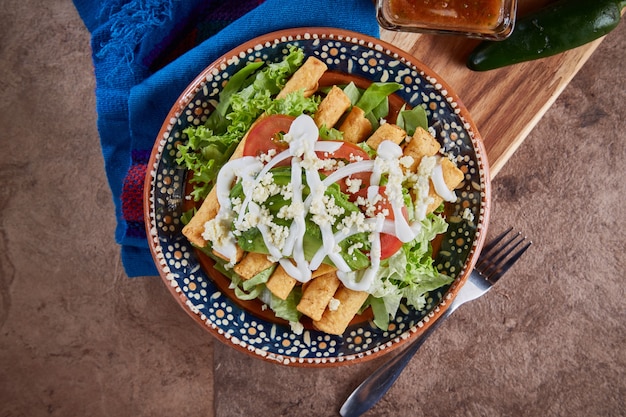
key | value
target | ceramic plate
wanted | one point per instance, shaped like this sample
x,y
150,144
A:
x,y
204,293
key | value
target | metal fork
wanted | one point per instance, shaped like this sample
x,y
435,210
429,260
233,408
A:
x,y
495,260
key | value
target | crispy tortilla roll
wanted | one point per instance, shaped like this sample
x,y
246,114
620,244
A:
x,y
422,144
330,110
386,131
252,264
281,283
452,176
305,78
336,321
208,210
317,295
355,127
322,270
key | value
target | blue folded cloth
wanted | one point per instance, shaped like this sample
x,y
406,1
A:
x,y
145,52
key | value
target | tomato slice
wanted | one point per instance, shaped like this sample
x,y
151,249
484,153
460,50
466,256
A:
x,y
264,135
389,244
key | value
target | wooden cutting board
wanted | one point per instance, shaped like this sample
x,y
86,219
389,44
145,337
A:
x,y
505,104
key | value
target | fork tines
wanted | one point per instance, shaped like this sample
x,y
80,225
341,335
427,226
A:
x,y
493,262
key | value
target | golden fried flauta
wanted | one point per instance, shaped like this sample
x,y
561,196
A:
x,y
252,264
306,78
330,110
281,283
422,144
386,131
317,294
336,321
355,127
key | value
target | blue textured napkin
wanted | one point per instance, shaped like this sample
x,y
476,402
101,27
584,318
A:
x,y
145,52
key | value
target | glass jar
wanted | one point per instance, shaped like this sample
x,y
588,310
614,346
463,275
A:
x,y
484,19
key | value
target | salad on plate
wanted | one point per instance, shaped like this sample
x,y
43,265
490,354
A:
x,y
321,200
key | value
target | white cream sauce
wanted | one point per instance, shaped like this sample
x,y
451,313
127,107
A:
x,y
303,145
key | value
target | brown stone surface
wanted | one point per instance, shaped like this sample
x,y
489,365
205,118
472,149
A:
x,y
78,338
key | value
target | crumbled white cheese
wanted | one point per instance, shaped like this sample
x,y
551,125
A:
x,y
278,235
356,221
325,210
296,327
393,190
328,164
287,191
354,247
236,204
333,304
267,180
265,189
407,161
290,211
370,206
468,215
355,158
353,184
267,157
216,230
248,221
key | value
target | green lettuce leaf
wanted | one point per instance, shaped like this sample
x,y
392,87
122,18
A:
x,y
375,95
353,93
259,279
284,309
410,273
294,104
410,120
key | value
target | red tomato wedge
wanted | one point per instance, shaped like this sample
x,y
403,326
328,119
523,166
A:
x,y
265,135
389,244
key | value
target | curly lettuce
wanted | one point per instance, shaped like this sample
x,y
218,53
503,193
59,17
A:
x,y
410,273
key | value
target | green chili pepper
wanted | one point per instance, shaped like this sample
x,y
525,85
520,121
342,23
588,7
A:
x,y
551,30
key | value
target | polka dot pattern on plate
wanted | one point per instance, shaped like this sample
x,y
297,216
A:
x,y
245,328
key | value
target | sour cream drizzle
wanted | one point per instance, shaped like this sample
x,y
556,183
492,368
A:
x,y
223,240
303,143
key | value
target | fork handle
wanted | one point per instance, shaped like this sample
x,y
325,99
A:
x,y
366,395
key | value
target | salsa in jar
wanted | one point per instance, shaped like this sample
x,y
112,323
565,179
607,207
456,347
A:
x,y
478,18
